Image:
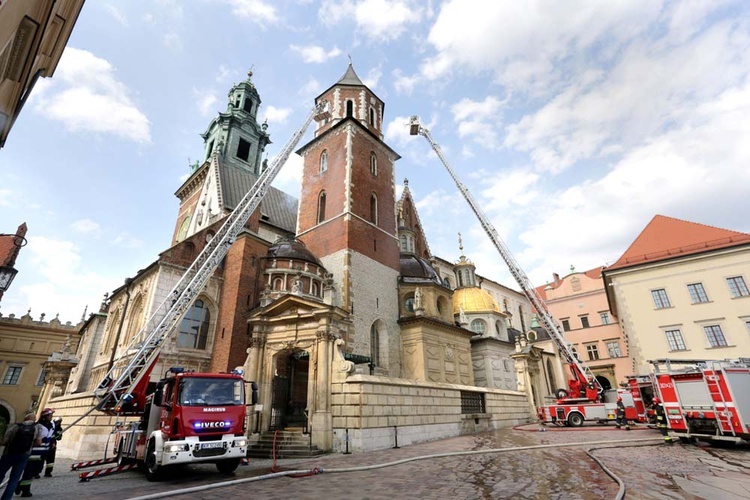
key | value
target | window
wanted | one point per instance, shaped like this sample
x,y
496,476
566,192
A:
x,y
372,117
373,164
447,282
472,402
566,325
478,326
323,161
243,150
322,207
409,303
498,328
374,209
592,351
674,338
403,243
584,321
715,336
375,344
604,316
194,327
697,293
248,106
574,348
12,374
737,286
349,108
661,301
613,349
313,288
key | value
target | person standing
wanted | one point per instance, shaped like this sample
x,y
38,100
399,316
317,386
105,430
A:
x,y
621,420
49,459
18,440
661,420
38,451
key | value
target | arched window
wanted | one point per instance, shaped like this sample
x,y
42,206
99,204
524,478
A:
x,y
113,326
447,282
349,108
183,228
373,164
134,323
372,117
313,288
460,278
498,328
478,326
324,161
194,327
403,243
278,284
322,207
374,209
375,344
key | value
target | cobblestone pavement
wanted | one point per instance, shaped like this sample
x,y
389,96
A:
x,y
649,471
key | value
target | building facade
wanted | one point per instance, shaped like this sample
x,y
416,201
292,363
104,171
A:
x,y
681,291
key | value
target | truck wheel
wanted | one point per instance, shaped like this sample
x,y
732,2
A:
x,y
561,394
228,466
575,419
153,470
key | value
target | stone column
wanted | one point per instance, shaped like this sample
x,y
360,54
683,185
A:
x,y
322,418
252,373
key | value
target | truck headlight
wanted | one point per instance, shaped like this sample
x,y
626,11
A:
x,y
174,448
240,442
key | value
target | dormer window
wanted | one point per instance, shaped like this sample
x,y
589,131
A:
x,y
323,161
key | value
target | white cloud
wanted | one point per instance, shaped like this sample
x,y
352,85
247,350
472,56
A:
x,y
258,11
315,53
172,41
379,20
373,77
402,83
205,101
125,239
311,87
117,14
276,115
289,178
86,226
86,96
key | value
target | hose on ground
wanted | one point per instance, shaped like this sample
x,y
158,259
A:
x,y
317,470
620,482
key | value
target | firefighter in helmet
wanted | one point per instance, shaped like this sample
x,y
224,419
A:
x,y
661,420
620,414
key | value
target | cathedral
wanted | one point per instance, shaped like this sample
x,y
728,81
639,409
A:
x,y
332,303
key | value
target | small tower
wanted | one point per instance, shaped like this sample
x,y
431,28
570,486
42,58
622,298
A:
x,y
464,269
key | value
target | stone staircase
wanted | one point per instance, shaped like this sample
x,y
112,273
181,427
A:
x,y
290,443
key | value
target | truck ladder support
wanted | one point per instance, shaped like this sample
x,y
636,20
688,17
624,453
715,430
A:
x,y
584,374
158,328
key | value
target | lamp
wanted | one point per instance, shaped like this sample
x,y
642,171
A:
x,y
7,271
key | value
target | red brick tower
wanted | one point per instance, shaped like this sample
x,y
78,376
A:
x,y
347,215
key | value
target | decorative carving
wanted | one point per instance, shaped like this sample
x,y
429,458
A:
x,y
323,335
462,319
343,365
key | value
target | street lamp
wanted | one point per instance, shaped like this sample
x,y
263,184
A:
x,y
7,271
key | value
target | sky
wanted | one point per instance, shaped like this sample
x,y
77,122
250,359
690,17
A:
x,y
572,124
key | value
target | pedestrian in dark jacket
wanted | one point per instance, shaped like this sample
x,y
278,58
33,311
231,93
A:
x,y
661,420
18,441
621,421
36,460
49,459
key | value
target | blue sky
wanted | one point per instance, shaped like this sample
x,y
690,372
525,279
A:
x,y
573,123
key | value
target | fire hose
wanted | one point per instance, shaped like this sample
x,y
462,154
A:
x,y
318,470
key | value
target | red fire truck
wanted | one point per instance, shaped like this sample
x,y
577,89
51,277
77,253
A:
x,y
705,399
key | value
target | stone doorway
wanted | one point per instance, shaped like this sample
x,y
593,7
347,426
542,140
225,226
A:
x,y
289,390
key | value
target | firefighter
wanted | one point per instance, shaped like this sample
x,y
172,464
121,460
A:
x,y
661,420
38,452
49,459
620,414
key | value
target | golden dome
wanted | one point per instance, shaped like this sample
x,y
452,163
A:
x,y
474,300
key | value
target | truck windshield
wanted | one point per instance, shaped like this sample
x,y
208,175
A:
x,y
211,391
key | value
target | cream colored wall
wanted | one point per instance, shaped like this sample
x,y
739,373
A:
x,y
645,325
564,302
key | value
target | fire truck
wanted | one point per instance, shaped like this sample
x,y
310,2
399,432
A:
x,y
705,399
185,417
585,398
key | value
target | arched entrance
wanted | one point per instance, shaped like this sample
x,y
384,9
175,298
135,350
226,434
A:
x,y
604,382
289,397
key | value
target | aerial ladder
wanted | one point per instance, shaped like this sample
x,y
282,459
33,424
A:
x,y
129,375
582,375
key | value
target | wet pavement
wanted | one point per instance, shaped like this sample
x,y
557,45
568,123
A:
x,y
649,470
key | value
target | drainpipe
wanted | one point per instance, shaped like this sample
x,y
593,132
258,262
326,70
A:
x,y
128,282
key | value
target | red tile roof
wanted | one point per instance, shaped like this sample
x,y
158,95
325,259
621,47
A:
x,y
6,249
666,238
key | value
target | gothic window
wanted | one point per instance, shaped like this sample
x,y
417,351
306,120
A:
x,y
322,207
182,233
375,344
113,325
134,324
374,209
194,327
323,161
349,108
372,117
373,164
243,150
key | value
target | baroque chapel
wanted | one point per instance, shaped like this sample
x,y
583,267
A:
x,y
331,297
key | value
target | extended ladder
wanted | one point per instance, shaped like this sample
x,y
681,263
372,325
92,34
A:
x,y
549,322
157,329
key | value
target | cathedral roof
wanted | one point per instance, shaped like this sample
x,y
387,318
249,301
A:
x,y
292,248
473,300
415,267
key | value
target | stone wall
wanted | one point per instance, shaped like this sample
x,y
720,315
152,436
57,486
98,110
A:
x,y
373,409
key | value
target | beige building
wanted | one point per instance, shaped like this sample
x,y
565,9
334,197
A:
x,y
33,35
681,291
579,302
25,346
